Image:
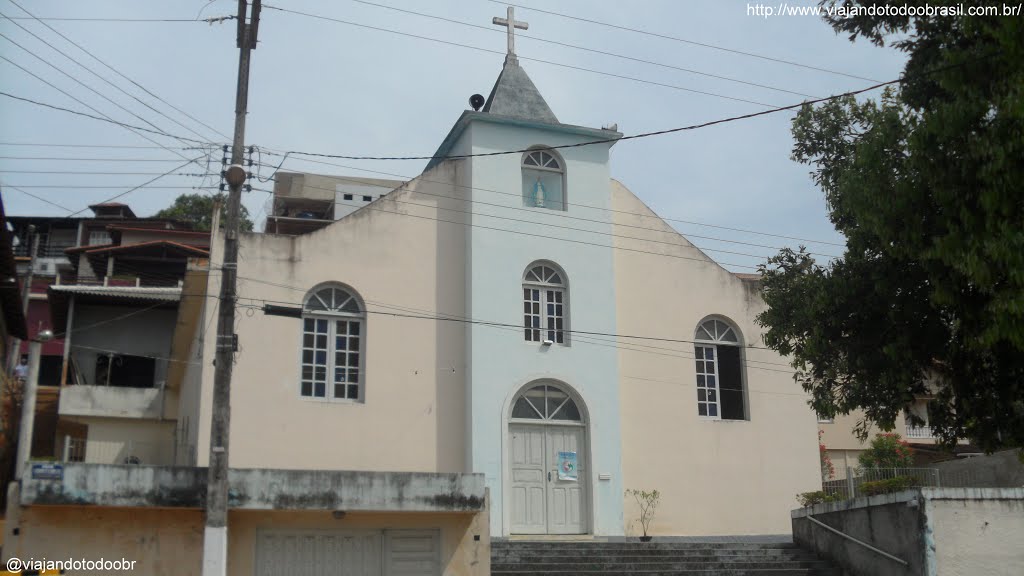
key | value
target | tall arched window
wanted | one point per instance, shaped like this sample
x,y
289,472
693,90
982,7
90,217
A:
x,y
543,180
719,371
544,304
332,344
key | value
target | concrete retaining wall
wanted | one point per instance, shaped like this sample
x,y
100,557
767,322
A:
x,y
262,489
936,531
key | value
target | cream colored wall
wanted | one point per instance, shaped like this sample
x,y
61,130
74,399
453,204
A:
x,y
839,435
978,536
162,542
400,259
167,542
111,440
460,554
715,477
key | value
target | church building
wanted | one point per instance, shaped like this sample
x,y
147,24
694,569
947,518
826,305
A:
x,y
502,346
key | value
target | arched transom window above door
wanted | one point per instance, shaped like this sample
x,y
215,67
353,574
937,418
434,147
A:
x,y
543,180
546,402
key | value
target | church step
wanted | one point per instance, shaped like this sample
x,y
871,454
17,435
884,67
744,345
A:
x,y
656,545
651,566
696,552
664,558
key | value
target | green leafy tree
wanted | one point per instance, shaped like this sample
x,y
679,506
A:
x,y
887,451
197,209
926,185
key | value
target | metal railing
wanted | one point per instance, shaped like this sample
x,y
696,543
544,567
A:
x,y
850,485
919,432
55,250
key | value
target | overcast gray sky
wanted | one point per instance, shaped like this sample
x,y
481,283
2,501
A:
x,y
330,87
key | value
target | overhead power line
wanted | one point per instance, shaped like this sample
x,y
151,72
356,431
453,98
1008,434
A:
x,y
420,178
69,95
144,184
89,159
544,236
40,198
583,48
91,71
122,75
685,41
100,118
666,131
542,61
212,20
127,146
563,216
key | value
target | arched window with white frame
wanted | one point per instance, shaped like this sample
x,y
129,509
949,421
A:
x,y
545,304
333,344
718,354
543,179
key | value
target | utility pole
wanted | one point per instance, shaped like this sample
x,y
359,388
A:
x,y
215,537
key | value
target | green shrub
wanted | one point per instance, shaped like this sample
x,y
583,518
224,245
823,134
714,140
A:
x,y
887,451
897,484
817,497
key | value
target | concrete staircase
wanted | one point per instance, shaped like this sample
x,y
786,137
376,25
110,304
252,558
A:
x,y
593,558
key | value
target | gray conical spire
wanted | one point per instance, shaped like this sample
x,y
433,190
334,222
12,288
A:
x,y
514,95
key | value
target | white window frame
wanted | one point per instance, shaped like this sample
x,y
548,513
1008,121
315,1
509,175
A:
x,y
103,235
540,293
710,334
543,159
345,307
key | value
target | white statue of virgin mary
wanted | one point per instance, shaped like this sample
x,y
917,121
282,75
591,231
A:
x,y
538,194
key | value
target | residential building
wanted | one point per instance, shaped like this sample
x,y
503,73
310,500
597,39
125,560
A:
x,y
499,347
843,445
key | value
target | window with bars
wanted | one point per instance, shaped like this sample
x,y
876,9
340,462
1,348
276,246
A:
x,y
544,304
543,180
720,392
332,345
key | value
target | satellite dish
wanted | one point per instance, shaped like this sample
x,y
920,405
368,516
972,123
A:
x,y
476,101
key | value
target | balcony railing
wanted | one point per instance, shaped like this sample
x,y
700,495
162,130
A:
x,y
55,250
919,432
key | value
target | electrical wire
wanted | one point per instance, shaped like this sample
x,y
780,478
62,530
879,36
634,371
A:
x,y
146,183
119,73
556,214
100,118
534,235
40,198
90,88
576,204
583,48
489,51
129,146
685,41
91,71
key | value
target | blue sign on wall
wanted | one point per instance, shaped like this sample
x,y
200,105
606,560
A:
x,y
47,472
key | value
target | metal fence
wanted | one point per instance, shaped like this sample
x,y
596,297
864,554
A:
x,y
850,485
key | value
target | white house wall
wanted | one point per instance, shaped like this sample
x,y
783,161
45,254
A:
x,y
501,361
715,476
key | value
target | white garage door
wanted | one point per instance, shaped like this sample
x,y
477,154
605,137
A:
x,y
329,552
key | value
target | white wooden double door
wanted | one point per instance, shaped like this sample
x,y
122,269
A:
x,y
541,503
